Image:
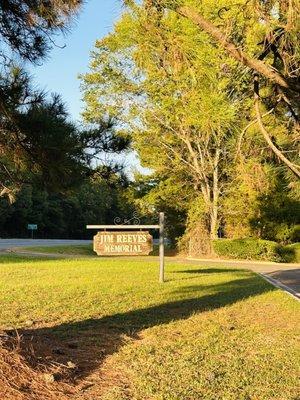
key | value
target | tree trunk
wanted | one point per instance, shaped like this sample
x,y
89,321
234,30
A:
x,y
214,217
214,222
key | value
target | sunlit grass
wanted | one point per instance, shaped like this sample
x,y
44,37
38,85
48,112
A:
x,y
78,250
207,333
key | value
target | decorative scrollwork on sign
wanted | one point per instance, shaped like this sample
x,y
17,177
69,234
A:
x,y
134,220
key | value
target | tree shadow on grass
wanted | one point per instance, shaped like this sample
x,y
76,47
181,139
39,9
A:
x,y
87,343
209,271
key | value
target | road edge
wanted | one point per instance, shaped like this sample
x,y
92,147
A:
x,y
280,285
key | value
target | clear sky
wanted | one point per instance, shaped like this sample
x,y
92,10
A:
x,y
59,73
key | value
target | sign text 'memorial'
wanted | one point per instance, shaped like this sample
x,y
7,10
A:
x,y
123,243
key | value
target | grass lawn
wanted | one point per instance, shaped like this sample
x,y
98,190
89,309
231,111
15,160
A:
x,y
207,333
77,250
81,250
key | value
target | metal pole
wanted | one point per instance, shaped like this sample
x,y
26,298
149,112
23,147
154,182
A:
x,y
161,248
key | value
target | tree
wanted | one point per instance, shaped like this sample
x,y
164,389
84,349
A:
x,y
275,27
39,143
26,31
188,106
27,26
95,199
177,107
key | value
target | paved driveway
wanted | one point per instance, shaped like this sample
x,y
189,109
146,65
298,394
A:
x,y
289,277
286,276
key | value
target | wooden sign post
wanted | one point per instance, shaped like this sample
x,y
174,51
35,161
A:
x,y
133,242
161,247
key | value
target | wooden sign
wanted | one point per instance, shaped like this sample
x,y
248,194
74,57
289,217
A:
x,y
127,243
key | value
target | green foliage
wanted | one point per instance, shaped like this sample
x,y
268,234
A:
x,y
178,109
278,215
26,26
295,235
37,142
252,249
260,202
189,111
290,253
256,249
41,146
53,155
152,195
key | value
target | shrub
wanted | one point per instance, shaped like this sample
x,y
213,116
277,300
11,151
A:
x,y
291,253
252,249
295,236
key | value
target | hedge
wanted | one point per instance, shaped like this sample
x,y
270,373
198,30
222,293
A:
x,y
256,249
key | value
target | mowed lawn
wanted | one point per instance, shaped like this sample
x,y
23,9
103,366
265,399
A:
x,y
206,333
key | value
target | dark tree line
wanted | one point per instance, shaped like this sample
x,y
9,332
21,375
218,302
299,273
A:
x,y
58,215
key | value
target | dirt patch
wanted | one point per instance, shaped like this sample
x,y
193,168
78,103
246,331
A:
x,y
24,377
36,366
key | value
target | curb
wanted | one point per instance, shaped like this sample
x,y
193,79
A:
x,y
281,286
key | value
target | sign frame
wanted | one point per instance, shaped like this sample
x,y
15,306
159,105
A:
x,y
32,228
123,243
159,227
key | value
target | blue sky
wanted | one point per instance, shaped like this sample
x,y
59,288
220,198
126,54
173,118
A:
x,y
59,73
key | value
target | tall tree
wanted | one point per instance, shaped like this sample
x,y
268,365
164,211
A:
x,y
40,145
27,29
184,100
176,96
264,37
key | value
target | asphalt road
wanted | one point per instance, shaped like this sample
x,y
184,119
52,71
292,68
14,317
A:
x,y
6,244
284,275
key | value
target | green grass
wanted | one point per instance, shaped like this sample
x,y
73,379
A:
x,y
207,333
81,250
77,250
289,253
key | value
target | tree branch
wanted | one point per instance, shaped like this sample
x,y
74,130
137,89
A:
x,y
294,168
245,129
219,36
